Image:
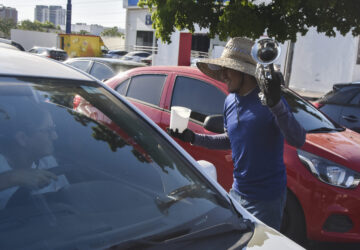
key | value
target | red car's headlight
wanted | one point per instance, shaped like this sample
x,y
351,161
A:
x,y
328,171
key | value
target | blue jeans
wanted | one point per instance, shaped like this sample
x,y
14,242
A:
x,y
268,211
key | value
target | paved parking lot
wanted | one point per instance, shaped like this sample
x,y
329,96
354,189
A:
x,y
333,246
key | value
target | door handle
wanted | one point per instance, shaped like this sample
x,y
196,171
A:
x,y
350,118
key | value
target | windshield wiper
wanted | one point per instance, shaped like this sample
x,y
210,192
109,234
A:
x,y
324,129
188,191
174,238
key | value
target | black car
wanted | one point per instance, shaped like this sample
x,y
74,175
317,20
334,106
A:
x,y
102,68
53,53
342,104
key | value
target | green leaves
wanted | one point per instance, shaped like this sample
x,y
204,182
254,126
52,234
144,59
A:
x,y
37,26
113,32
6,25
280,19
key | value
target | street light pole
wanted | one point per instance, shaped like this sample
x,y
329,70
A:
x,y
68,17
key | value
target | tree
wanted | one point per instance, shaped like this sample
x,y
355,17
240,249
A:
x,y
6,25
280,19
47,25
37,26
112,32
82,32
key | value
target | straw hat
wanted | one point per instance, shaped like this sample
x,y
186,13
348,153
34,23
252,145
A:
x,y
236,55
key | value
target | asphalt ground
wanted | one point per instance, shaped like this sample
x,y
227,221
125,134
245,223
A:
x,y
332,246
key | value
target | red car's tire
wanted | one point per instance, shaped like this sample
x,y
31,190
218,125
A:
x,y
293,223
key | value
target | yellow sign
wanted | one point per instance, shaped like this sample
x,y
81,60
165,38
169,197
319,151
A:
x,y
81,45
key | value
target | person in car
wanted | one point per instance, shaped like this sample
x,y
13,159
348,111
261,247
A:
x,y
26,146
254,132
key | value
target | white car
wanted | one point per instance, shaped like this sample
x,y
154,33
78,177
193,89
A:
x,y
82,168
136,56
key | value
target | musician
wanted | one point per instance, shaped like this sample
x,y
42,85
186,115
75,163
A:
x,y
254,132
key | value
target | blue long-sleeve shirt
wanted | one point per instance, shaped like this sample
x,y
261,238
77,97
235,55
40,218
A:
x,y
256,133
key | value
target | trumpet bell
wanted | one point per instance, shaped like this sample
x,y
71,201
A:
x,y
265,51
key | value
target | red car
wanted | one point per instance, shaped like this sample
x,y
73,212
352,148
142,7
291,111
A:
x,y
323,176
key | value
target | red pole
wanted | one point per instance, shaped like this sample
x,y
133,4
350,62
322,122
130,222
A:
x,y
184,49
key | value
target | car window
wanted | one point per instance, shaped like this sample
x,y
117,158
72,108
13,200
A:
x,y
146,88
143,54
201,97
306,114
59,55
339,96
120,53
101,71
122,87
41,50
117,177
356,100
82,65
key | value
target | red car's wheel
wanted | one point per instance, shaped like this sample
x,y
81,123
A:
x,y
293,223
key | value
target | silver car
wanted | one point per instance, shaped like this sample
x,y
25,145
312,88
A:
x,y
102,68
82,168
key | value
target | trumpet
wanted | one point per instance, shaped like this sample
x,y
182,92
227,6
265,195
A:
x,y
265,52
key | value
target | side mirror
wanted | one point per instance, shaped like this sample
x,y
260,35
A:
x,y
214,123
208,168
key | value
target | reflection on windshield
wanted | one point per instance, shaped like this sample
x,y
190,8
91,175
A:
x,y
307,115
120,179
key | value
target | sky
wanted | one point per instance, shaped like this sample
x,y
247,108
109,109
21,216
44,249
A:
x,y
108,13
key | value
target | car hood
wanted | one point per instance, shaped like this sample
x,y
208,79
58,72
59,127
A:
x,y
267,238
340,147
264,237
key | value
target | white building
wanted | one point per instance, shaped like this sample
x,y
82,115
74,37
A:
x,y
138,30
41,13
320,61
57,15
93,29
8,13
139,34
52,13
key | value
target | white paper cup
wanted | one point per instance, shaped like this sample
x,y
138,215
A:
x,y
179,118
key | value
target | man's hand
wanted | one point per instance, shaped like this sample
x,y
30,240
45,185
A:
x,y
187,135
32,178
270,85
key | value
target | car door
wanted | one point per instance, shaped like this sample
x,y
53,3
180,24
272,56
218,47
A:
x,y
350,114
204,98
145,91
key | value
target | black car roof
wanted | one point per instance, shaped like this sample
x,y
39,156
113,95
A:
x,y
337,86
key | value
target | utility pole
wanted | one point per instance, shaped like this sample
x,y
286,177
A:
x,y
68,17
288,62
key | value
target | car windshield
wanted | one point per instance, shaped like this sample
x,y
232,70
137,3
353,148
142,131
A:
x,y
80,169
308,116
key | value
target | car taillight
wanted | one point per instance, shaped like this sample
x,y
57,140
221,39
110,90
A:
x,y
317,104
